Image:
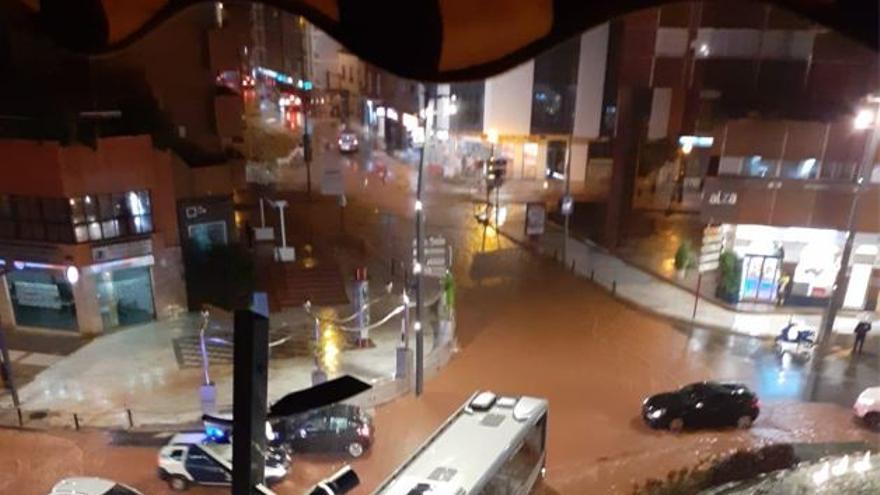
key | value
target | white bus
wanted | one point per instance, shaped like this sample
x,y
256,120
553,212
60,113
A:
x,y
493,445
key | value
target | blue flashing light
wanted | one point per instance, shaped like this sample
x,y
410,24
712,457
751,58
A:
x,y
307,85
215,434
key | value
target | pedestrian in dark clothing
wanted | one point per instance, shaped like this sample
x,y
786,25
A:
x,y
862,329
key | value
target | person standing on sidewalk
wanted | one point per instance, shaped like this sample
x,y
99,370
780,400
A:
x,y
862,329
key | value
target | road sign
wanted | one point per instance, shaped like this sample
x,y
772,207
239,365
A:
x,y
567,205
437,256
710,250
536,214
332,183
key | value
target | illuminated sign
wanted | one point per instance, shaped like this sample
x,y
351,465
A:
x,y
722,198
691,142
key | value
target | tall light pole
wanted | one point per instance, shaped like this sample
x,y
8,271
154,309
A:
x,y
866,119
419,262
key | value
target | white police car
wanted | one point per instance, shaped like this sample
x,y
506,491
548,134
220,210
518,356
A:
x,y
91,486
196,458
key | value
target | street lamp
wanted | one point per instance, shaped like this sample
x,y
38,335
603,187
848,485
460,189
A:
x,y
865,119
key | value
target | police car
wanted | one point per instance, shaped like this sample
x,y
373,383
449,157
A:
x,y
198,458
91,486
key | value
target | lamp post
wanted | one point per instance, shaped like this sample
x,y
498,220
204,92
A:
x,y
866,119
417,265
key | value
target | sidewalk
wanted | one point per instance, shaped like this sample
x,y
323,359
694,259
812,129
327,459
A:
x,y
654,294
142,369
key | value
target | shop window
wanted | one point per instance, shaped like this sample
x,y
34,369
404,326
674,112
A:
x,y
42,298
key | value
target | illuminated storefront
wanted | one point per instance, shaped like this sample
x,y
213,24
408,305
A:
x,y
808,259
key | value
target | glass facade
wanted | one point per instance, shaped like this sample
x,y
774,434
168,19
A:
x,y
125,297
42,298
72,220
555,89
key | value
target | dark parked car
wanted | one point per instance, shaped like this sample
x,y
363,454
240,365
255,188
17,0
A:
x,y
336,428
702,405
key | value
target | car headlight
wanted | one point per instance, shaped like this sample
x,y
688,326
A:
x,y
656,413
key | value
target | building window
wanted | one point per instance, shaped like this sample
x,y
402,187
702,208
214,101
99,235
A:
x,y
755,166
556,155
107,216
803,169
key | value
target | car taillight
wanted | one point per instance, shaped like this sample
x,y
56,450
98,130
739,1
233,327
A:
x,y
364,431
756,404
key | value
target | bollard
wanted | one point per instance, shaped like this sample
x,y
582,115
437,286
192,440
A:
x,y
76,421
592,275
130,419
614,287
572,265
20,418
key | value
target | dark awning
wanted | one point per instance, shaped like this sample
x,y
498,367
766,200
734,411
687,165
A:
x,y
421,39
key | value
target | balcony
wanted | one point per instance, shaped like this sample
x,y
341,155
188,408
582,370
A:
x,y
817,204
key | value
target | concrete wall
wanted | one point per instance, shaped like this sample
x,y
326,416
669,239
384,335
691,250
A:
x,y
658,122
578,162
591,81
508,101
88,313
30,168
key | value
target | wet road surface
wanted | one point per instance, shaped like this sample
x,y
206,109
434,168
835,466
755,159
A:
x,y
525,326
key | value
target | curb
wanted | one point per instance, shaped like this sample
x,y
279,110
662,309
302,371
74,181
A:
x,y
631,304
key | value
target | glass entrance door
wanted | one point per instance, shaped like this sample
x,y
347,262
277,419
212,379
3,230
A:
x,y
760,278
125,297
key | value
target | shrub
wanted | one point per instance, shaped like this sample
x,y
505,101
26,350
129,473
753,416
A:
x,y
730,274
684,256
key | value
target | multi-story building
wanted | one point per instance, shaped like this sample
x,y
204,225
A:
x,y
88,235
536,112
760,106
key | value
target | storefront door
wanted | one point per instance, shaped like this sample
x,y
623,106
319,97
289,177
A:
x,y
760,278
125,297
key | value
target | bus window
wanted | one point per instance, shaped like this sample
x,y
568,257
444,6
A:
x,y
519,472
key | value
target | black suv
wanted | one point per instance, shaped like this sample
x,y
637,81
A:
x,y
336,428
702,405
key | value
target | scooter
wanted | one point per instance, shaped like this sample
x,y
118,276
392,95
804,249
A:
x,y
796,340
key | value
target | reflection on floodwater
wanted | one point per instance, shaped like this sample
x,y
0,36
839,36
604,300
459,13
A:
x,y
782,375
